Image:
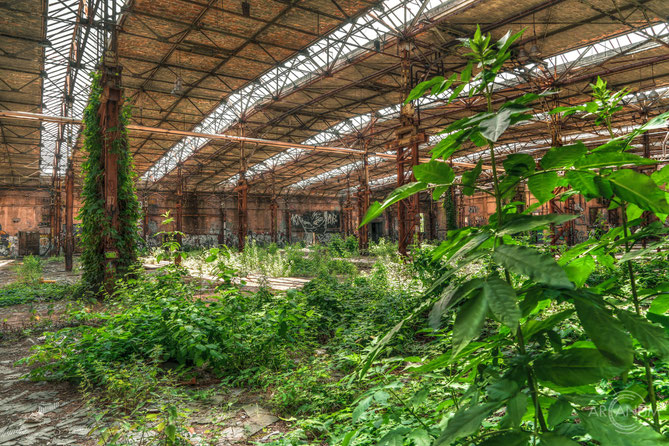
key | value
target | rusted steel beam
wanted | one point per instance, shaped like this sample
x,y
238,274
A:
x,y
407,140
111,102
179,213
221,234
274,210
69,215
287,224
242,212
363,201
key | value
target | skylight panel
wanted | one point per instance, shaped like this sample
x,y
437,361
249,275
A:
x,y
338,46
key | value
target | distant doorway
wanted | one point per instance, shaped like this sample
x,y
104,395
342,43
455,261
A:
x,y
376,230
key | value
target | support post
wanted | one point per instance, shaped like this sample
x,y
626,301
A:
x,y
242,211
179,212
363,202
432,224
554,206
69,215
221,233
242,195
347,210
274,211
289,229
407,140
109,113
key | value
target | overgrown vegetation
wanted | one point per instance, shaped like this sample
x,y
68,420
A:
x,y
21,293
29,270
95,223
484,339
529,382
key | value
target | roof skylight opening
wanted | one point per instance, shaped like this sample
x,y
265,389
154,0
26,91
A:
x,y
57,61
327,54
588,55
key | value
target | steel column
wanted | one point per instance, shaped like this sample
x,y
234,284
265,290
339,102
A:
x,y
242,211
69,215
221,234
407,140
274,211
179,213
363,202
287,224
109,113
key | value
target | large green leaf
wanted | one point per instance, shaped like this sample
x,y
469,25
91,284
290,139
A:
x,y
542,185
575,367
361,408
605,331
469,322
598,160
533,326
657,122
434,172
652,337
466,421
509,439
583,182
515,410
471,245
578,270
435,86
611,429
398,194
523,223
660,304
395,437
661,177
519,164
469,178
493,127
420,437
502,302
564,156
450,296
639,189
559,411
530,262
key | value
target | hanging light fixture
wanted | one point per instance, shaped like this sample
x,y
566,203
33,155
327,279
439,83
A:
x,y
641,96
178,88
534,50
522,55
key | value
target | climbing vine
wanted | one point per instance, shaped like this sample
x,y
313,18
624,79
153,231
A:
x,y
450,210
95,223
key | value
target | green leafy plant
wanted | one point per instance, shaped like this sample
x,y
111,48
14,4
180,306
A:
x,y
29,271
95,223
21,293
528,384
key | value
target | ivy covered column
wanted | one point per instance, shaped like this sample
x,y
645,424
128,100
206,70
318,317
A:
x,y
110,208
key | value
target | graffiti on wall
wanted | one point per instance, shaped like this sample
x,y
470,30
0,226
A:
x,y
8,244
316,221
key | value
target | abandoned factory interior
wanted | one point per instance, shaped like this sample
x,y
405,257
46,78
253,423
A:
x,y
334,222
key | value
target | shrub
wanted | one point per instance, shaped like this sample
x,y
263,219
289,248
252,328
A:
x,y
30,270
